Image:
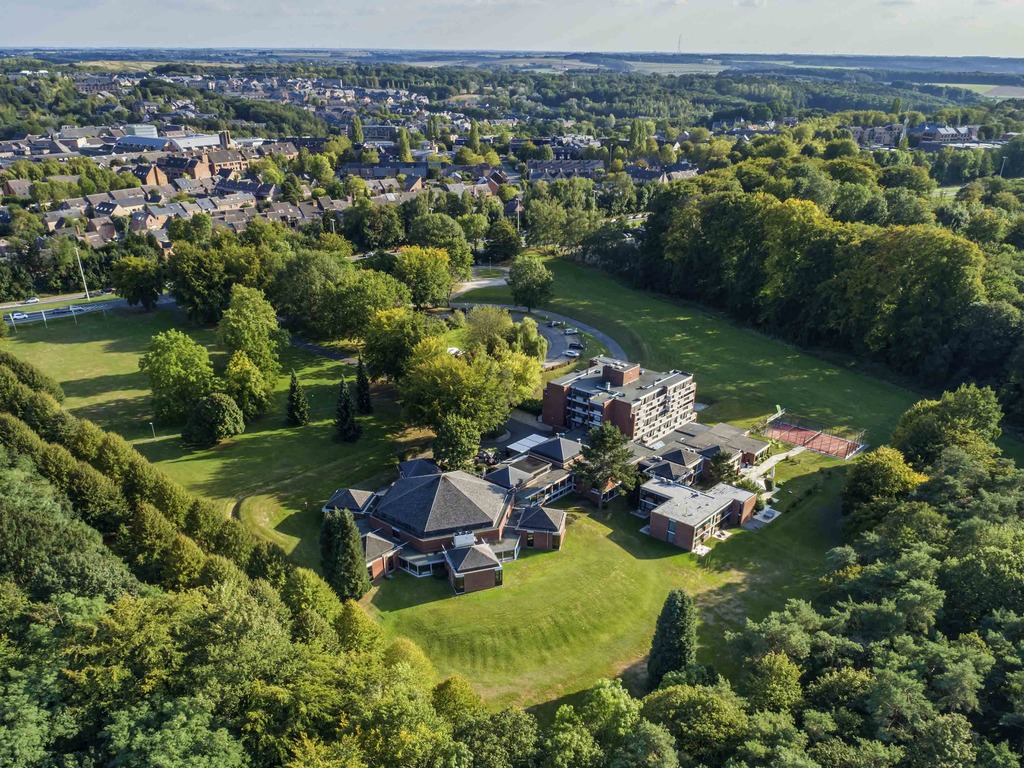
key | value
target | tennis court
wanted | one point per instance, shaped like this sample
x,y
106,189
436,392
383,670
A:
x,y
812,435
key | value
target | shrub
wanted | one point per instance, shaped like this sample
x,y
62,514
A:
x,y
215,418
31,376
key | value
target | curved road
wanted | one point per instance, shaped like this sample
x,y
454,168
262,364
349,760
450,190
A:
x,y
614,348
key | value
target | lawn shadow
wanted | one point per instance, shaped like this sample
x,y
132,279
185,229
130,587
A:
x,y
404,591
101,385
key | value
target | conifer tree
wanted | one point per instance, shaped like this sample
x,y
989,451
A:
x,y
341,555
298,405
363,402
674,647
347,428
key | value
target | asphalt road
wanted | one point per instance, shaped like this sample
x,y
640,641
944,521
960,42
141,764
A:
x,y
34,313
542,316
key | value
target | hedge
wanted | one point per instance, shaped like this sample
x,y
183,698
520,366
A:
x,y
31,376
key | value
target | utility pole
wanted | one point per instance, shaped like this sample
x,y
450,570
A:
x,y
1002,168
82,273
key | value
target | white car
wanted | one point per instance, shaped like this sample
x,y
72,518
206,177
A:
x,y
75,308
571,353
33,300
19,316
571,331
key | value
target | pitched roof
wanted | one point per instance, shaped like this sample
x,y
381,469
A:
x,y
537,518
507,476
433,505
351,499
417,468
557,449
477,557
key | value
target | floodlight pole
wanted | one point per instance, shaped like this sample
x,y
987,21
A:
x,y
82,273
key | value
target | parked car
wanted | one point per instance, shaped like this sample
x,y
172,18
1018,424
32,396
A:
x,y
19,316
571,353
577,345
553,323
571,331
75,308
33,300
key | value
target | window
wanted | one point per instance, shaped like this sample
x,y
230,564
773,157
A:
x,y
497,577
556,541
672,531
529,538
460,585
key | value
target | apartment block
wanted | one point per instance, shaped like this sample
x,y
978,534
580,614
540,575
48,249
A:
x,y
645,405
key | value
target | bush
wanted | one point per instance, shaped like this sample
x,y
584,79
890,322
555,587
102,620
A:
x,y
216,417
31,376
456,319
532,405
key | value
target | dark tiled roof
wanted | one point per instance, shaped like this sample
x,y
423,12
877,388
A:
x,y
434,505
477,557
669,470
507,476
351,499
557,449
541,519
375,543
417,468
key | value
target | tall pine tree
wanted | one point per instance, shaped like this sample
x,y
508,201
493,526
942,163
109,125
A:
x,y
363,402
341,555
674,647
347,428
298,405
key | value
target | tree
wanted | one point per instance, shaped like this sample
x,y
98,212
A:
x,y
359,296
426,272
503,241
247,386
531,283
341,555
488,326
473,140
137,280
474,225
180,374
721,468
545,222
249,325
439,230
389,341
569,743
457,442
772,683
364,403
214,418
346,427
199,281
964,417
298,404
403,150
674,647
306,292
357,130
610,713
455,700
706,722
606,459
646,746
880,475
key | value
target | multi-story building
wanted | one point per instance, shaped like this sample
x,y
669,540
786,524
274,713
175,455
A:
x,y
645,405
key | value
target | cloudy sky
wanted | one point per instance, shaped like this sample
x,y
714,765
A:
x,y
926,27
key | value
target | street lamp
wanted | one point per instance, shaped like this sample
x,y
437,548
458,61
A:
x,y
153,428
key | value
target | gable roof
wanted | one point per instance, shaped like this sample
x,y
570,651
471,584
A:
x,y
477,557
434,505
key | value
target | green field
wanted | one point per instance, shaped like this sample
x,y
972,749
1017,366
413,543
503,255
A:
x,y
274,477
565,619
740,373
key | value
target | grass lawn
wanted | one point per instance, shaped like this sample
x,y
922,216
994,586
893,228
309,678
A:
x,y
274,477
565,619
740,373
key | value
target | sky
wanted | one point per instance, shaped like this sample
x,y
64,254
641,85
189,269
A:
x,y
909,27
